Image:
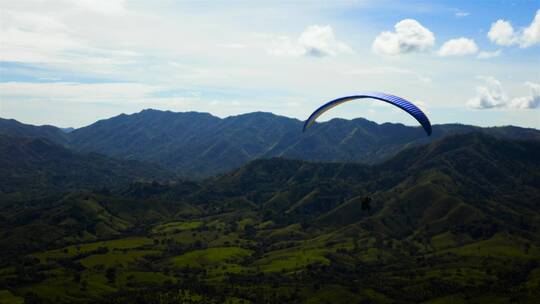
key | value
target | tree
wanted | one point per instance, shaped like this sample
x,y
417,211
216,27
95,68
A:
x,y
84,285
366,203
249,231
77,277
110,274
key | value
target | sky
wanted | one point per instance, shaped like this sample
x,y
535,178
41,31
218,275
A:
x,y
70,63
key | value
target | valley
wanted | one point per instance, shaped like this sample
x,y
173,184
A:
x,y
455,220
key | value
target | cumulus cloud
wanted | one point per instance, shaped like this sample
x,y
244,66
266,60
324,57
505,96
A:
x,y
487,55
320,41
531,34
492,95
502,33
408,36
531,101
316,41
458,47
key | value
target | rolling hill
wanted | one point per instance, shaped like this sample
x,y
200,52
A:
x,y
35,165
456,220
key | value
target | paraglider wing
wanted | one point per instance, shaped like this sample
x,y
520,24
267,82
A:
x,y
399,102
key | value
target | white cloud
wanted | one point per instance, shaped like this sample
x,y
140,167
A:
x,y
32,37
285,46
320,41
409,36
502,33
487,55
79,92
35,32
492,95
461,14
316,40
528,102
531,34
458,47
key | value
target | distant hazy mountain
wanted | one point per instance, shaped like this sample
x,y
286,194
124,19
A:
x,y
36,165
11,127
67,130
200,145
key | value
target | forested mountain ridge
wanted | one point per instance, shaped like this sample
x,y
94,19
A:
x,y
198,145
37,166
12,127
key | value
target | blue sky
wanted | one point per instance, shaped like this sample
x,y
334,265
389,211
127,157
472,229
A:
x,y
72,62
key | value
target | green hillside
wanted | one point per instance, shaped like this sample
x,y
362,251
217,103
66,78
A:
x,y
455,221
31,166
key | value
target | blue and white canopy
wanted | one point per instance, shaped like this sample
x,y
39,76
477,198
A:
x,y
399,102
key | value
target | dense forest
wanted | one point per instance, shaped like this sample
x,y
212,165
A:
x,y
455,219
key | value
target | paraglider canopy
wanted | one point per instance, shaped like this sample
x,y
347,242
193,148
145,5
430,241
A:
x,y
399,102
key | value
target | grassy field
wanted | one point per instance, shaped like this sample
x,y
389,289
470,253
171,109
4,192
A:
x,y
6,297
69,251
333,294
141,262
211,256
500,245
116,258
214,250
175,227
291,259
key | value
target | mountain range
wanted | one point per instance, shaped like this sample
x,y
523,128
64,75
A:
x,y
353,212
199,145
